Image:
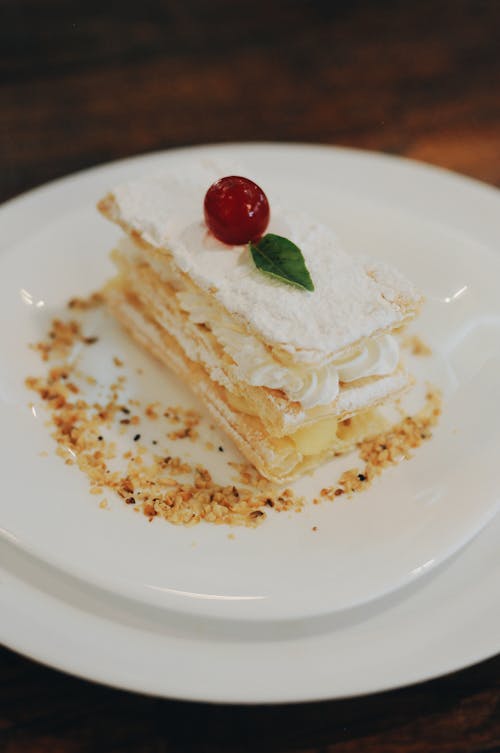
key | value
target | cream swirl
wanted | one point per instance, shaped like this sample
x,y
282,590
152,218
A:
x,y
259,368
307,384
377,357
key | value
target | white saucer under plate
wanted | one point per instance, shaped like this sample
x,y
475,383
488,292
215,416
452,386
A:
x,y
444,622
283,612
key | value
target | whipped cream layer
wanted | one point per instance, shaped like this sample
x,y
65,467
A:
x,y
353,298
307,384
257,364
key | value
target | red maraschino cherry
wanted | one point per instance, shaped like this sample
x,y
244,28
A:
x,y
236,210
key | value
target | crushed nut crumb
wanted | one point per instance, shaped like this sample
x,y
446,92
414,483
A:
x,y
167,486
416,346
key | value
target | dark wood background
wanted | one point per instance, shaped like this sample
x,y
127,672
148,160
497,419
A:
x,y
86,82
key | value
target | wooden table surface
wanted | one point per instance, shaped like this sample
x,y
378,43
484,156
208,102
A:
x,y
87,82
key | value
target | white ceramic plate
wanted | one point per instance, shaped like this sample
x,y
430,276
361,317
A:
x,y
442,231
444,622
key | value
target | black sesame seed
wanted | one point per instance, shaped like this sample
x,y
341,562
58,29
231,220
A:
x,y
137,437
154,441
361,477
221,449
99,438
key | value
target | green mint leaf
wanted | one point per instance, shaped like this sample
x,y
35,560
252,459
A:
x,y
281,258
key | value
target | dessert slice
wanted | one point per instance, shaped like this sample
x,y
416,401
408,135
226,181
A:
x,y
292,375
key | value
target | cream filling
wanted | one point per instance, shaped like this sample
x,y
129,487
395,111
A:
x,y
306,384
315,439
325,434
332,435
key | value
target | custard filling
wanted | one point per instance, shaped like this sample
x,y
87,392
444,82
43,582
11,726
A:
x,y
325,434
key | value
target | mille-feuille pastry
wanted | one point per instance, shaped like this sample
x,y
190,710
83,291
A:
x,y
288,339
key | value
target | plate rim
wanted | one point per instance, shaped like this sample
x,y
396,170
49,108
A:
x,y
227,695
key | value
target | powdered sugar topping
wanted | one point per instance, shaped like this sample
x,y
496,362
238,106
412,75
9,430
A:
x,y
353,297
